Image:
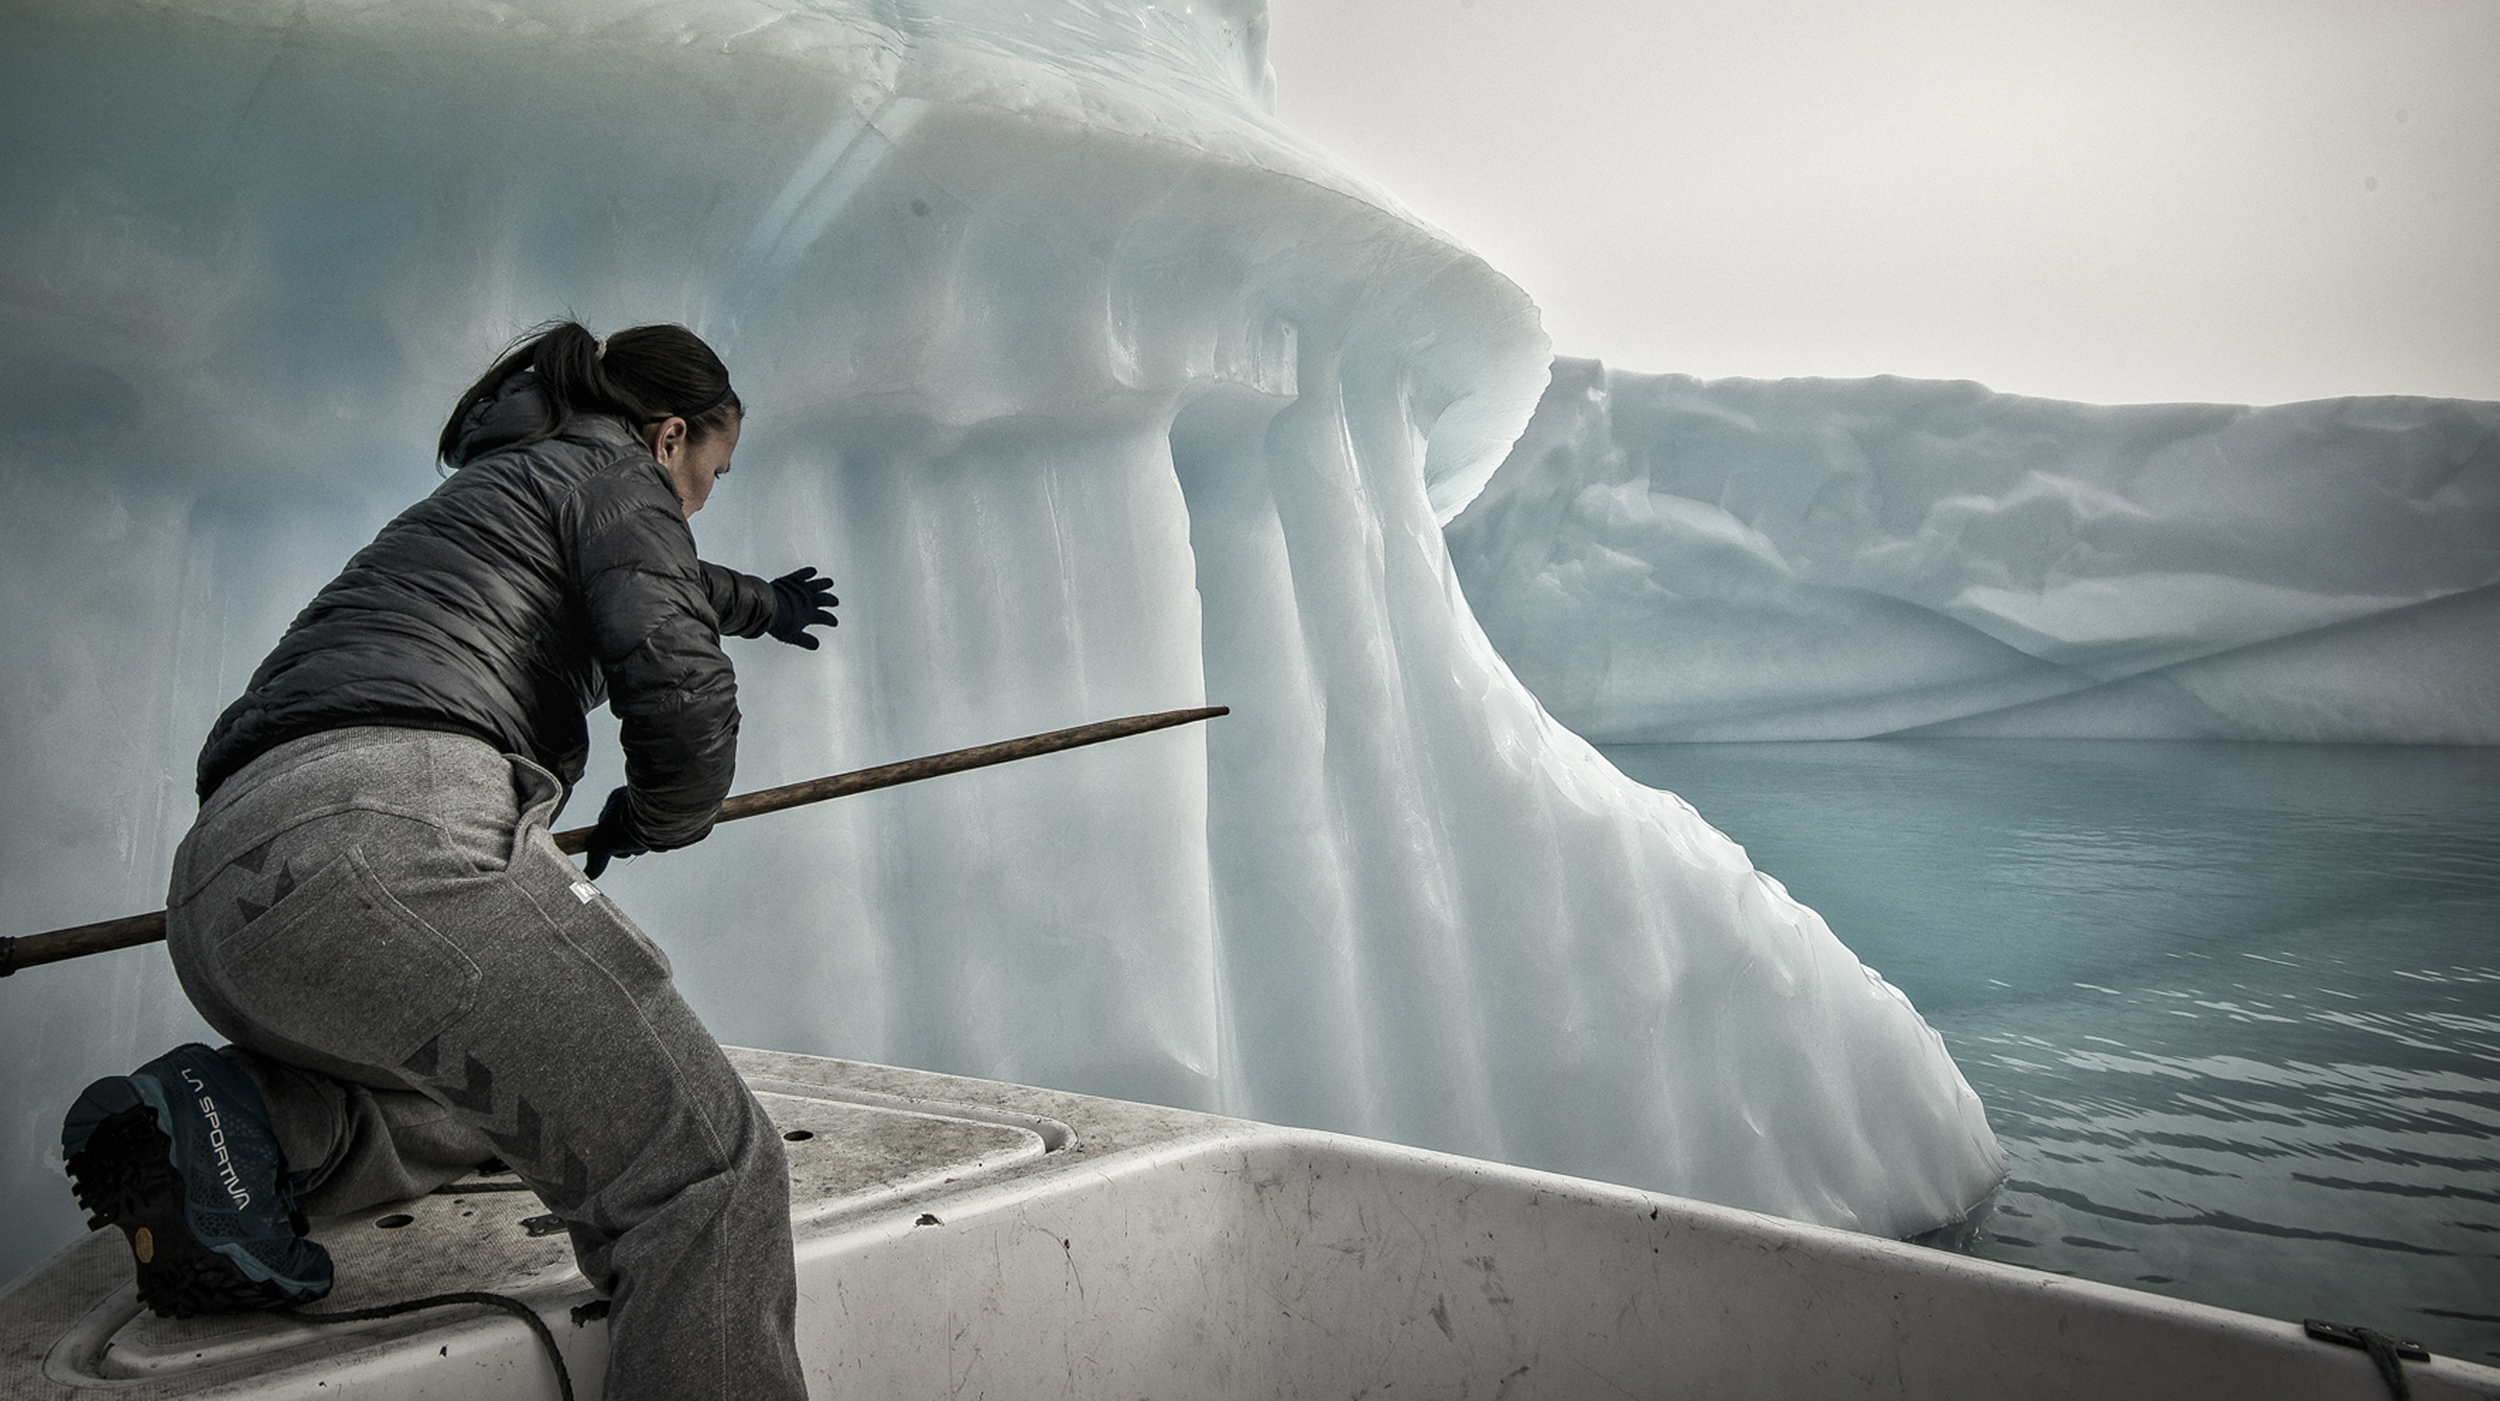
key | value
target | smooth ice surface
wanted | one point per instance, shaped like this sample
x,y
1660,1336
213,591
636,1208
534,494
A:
x,y
1096,392
1664,558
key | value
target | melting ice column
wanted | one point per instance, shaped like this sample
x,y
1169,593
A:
x,y
1442,918
1447,921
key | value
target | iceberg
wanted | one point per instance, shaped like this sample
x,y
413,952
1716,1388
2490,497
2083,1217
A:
x,y
1095,389
1663,558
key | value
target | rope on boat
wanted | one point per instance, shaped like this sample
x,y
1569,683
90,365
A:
x,y
505,1302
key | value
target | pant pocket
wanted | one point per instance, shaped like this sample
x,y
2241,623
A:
x,y
538,795
342,967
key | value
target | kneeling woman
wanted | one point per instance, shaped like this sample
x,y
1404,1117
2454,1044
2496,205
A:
x,y
371,907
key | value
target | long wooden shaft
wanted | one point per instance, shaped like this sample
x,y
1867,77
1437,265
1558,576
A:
x,y
131,931
980,756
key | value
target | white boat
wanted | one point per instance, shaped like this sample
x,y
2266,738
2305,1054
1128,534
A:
x,y
966,1238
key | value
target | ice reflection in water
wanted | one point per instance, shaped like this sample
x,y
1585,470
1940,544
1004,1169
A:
x,y
2234,1009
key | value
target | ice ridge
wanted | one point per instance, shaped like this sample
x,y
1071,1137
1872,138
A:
x,y
1664,558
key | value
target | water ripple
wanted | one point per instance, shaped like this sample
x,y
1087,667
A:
x,y
2219,1220
2206,992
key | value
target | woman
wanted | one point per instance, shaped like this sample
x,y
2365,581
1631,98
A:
x,y
370,905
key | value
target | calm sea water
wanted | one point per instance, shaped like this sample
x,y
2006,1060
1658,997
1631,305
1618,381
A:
x,y
2234,1008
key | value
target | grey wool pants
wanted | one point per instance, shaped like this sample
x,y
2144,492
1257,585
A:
x,y
418,980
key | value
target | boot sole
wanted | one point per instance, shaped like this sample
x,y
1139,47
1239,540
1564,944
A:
x,y
125,1178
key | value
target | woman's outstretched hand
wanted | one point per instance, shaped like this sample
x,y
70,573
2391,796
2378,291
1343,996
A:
x,y
801,600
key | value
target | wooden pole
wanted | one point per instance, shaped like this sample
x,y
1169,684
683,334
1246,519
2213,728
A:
x,y
131,931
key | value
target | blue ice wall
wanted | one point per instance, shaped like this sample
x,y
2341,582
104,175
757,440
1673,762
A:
x,y
1094,389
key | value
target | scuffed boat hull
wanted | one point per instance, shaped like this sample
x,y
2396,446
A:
x,y
967,1238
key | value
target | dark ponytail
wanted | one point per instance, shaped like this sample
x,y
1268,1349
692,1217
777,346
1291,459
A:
x,y
641,375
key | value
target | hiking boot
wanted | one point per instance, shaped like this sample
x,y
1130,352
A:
x,y
180,1156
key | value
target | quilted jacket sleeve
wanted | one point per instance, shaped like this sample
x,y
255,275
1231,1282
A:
x,y
742,602
655,637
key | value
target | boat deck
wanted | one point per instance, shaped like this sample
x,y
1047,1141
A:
x,y
968,1238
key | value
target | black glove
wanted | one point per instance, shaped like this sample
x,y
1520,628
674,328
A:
x,y
801,600
609,839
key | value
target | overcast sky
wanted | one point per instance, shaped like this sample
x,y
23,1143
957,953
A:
x,y
2247,201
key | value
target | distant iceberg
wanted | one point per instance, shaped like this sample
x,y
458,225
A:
x,y
1664,558
1096,391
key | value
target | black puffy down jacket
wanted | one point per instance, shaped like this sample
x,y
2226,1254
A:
x,y
536,581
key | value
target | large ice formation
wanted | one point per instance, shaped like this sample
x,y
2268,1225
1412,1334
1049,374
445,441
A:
x,y
1664,558
1095,390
